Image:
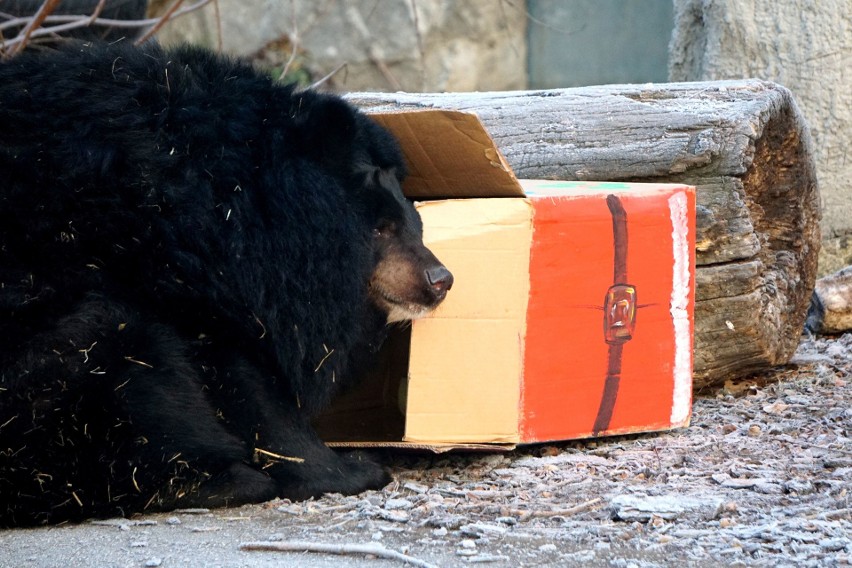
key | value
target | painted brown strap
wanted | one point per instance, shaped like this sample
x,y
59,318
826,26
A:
x,y
619,239
619,309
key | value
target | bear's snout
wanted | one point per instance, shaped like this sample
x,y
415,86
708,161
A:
x,y
440,279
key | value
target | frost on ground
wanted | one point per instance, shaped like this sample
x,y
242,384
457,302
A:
x,y
762,477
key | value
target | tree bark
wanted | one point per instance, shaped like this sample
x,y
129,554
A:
x,y
743,144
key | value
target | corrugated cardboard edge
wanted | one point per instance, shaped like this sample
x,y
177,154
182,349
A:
x,y
434,448
682,293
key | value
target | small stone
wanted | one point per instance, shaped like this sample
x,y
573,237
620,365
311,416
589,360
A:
x,y
835,544
153,562
172,521
394,516
668,507
450,522
798,487
418,488
769,488
467,543
751,547
754,431
483,529
776,407
549,547
761,485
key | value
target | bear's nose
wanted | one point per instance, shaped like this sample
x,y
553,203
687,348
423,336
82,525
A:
x,y
439,278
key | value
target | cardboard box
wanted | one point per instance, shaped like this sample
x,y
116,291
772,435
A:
x,y
571,314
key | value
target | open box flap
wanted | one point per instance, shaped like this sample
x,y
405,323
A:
x,y
449,154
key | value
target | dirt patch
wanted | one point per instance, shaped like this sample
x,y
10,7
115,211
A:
x,y
762,477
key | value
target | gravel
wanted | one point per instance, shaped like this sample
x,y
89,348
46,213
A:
x,y
762,477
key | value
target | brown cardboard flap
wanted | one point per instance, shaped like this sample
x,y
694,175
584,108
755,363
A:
x,y
449,154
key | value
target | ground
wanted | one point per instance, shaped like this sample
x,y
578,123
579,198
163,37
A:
x,y
762,477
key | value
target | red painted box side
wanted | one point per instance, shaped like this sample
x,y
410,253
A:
x,y
567,358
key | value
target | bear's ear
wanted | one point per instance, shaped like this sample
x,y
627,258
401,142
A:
x,y
328,129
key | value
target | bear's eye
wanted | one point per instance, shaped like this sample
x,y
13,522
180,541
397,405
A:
x,y
385,229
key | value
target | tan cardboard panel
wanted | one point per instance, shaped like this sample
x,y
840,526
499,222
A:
x,y
488,237
461,392
449,154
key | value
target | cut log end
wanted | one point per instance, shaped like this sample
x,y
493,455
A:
x,y
781,199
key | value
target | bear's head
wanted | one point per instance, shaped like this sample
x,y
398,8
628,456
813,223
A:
x,y
407,280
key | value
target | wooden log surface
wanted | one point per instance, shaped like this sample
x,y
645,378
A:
x,y
743,144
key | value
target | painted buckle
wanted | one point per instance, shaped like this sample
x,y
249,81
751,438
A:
x,y
619,314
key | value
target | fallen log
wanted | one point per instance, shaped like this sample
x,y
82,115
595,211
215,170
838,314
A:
x,y
743,144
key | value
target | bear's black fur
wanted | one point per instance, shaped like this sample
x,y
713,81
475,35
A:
x,y
193,260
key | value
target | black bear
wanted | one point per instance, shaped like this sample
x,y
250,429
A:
x,y
193,261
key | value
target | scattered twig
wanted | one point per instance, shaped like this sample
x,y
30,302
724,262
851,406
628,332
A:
x,y
156,27
138,362
275,456
374,53
218,16
328,76
294,39
123,523
340,549
35,22
324,358
64,23
804,444
97,12
262,327
829,515
582,507
380,64
421,50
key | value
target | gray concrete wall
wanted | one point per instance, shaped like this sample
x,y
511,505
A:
x,y
805,45
446,45
595,42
